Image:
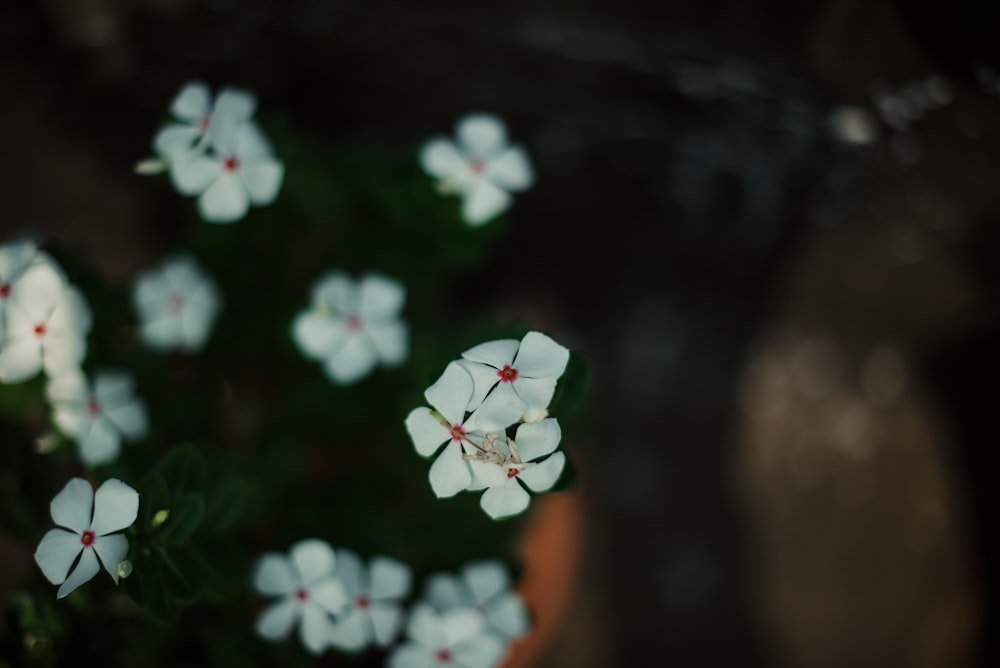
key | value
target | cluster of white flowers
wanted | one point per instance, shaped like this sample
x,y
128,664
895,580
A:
x,y
177,304
353,325
489,411
216,152
482,167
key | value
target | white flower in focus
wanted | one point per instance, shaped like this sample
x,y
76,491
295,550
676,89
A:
x,y
177,305
484,586
505,467
513,380
97,417
91,521
200,122
430,429
455,638
308,592
47,322
374,614
482,167
353,325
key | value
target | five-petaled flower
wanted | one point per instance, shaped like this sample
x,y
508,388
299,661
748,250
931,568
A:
x,y
374,613
97,416
200,121
353,325
177,304
309,593
15,258
91,521
484,586
482,167
455,638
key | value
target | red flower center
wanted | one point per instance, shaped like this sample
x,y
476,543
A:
x,y
443,655
457,433
363,602
230,164
93,408
508,374
87,538
40,330
175,305
4,290
513,473
352,323
302,594
477,167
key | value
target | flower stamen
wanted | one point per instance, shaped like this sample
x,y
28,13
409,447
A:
x,y
507,374
87,538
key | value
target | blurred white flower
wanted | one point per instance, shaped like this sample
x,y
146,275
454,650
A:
x,y
177,305
91,521
97,417
353,325
455,638
483,586
46,327
504,467
513,380
430,429
374,613
308,593
481,167
200,122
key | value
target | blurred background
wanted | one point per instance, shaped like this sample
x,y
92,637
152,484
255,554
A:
x,y
771,225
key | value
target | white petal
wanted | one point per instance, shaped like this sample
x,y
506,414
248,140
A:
x,y
351,572
536,393
101,443
355,360
73,506
20,360
233,108
511,171
273,575
539,356
508,614
541,477
116,505
330,595
481,136
449,473
15,256
483,203
537,439
486,474
386,620
112,550
62,353
424,626
163,334
350,632
72,419
501,408
85,569
505,501
251,143
497,354
225,201
313,559
412,655
262,179
175,140
37,291
450,393
391,342
317,334
69,386
199,314
482,651
390,578
56,553
131,419
427,433
440,158
193,173
112,388
336,291
460,624
486,579
444,591
276,621
380,298
316,628
192,102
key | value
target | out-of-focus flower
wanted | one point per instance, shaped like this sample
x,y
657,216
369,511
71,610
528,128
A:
x,y
91,521
353,325
455,638
200,121
374,614
177,305
481,167
483,586
308,593
97,417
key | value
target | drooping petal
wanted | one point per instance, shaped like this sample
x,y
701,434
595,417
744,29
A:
x,y
481,136
501,408
276,621
316,628
192,173
391,342
20,359
440,158
542,476
386,620
481,651
390,578
539,356
355,360
56,552
511,170
507,613
450,394
483,203
350,631
131,418
445,590
380,298
449,473
101,443
273,575
85,569
262,179
330,595
427,433
317,334
351,572
313,559
459,624
225,201
536,393
505,501
111,550
486,579
412,655
192,102
537,439
73,506
116,505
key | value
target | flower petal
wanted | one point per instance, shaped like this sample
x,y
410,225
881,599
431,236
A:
x,y
449,473
483,203
541,477
71,419
20,359
251,143
316,628
481,136
508,613
192,102
276,621
85,569
163,334
175,140
391,342
262,179
386,620
351,571
481,651
380,298
539,356
225,201
101,443
350,632
412,655
444,590
15,256
116,505
440,158
273,575
313,560
112,550
536,393
192,173
450,394
501,408
511,170
424,626
355,360
459,624
496,354
56,553
130,418
390,578
505,501
336,291
330,595
73,506
486,474
317,334
486,579
537,439
427,433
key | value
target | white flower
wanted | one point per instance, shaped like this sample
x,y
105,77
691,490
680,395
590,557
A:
x,y
47,322
455,638
504,467
481,167
177,305
374,614
513,380
484,586
91,521
308,593
449,395
353,325
97,417
201,122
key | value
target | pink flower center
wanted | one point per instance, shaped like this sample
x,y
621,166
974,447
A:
x,y
302,594
363,602
443,655
352,323
87,538
175,305
513,473
457,433
4,290
477,167
230,164
203,125
40,330
507,374
93,408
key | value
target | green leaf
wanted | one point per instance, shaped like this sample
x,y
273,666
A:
x,y
184,516
570,399
184,469
154,496
149,594
225,505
